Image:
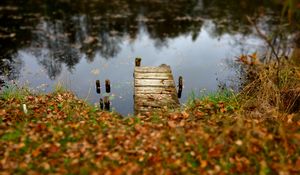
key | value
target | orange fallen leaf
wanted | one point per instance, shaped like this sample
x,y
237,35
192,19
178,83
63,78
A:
x,y
223,110
198,114
118,171
174,116
2,112
45,165
243,59
203,163
53,149
23,165
215,151
172,124
185,114
30,98
182,123
298,163
36,152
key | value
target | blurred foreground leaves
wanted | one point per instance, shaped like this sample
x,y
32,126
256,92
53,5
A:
x,y
62,134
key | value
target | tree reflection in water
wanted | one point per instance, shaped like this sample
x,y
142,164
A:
x,y
62,32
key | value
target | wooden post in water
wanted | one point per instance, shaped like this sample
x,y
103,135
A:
x,y
180,85
101,104
106,103
98,90
138,62
107,86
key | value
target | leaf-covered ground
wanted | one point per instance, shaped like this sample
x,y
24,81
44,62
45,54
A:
x,y
62,134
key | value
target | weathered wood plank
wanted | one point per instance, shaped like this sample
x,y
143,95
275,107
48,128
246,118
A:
x,y
147,103
154,90
143,110
155,104
147,109
156,96
164,69
153,82
156,100
153,75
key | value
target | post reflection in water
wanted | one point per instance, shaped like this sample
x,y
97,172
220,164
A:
x,y
46,42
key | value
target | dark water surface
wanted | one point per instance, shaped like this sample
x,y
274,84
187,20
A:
x,y
43,43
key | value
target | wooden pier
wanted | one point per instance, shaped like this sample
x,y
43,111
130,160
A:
x,y
154,88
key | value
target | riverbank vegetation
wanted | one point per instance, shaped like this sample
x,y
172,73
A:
x,y
255,131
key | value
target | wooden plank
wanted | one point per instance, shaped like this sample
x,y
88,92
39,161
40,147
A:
x,y
155,104
164,69
154,90
149,108
153,75
153,82
143,110
156,100
146,103
156,96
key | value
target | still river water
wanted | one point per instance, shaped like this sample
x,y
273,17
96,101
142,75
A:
x,y
43,43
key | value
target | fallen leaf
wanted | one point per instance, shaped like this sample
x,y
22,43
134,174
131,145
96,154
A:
x,y
215,151
45,165
36,152
185,115
53,149
171,124
2,112
239,142
203,163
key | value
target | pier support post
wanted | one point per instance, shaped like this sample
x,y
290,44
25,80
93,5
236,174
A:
x,y
180,85
107,86
106,103
101,104
98,90
138,62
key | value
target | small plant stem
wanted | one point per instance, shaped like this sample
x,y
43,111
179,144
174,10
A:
x,y
263,36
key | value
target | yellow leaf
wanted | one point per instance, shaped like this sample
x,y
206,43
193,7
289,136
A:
x,y
2,112
203,163
222,110
45,165
185,114
253,56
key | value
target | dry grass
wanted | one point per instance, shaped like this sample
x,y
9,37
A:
x,y
272,89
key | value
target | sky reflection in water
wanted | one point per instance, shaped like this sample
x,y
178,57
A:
x,y
202,63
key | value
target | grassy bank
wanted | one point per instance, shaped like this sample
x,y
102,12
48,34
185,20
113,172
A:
x,y
223,133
